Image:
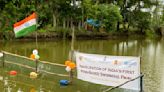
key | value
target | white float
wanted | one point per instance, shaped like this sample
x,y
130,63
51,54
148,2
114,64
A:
x,y
1,55
68,69
35,52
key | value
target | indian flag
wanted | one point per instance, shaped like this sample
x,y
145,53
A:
x,y
25,26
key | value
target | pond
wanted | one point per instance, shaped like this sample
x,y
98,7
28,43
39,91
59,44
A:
x,y
151,52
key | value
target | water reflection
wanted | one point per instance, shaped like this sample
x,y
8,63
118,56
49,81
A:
x,y
151,52
13,85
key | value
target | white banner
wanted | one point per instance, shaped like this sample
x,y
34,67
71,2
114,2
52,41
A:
x,y
108,70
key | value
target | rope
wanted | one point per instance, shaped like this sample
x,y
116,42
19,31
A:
x,y
26,66
45,62
62,75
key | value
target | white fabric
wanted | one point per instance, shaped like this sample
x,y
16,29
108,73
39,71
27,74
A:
x,y
108,70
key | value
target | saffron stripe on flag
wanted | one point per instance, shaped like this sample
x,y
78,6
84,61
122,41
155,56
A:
x,y
32,16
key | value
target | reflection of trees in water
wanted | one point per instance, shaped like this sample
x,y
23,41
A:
x,y
113,47
23,83
8,85
126,48
152,63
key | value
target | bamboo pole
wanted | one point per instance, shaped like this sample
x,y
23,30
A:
x,y
36,40
62,75
45,62
3,59
72,52
141,78
109,89
72,44
141,83
36,65
72,41
36,37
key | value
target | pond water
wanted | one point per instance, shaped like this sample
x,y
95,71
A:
x,y
150,50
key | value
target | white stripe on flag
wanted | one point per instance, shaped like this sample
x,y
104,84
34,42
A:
x,y
25,25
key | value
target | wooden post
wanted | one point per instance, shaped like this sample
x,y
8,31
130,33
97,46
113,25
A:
x,y
141,83
71,77
36,65
141,78
111,88
3,59
72,49
72,44
36,39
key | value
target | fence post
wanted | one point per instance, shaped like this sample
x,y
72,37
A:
x,y
111,88
141,83
36,65
71,77
3,59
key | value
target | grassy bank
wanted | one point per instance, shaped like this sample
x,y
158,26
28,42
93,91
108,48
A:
x,y
60,33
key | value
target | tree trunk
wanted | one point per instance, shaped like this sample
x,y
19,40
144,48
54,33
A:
x,y
67,23
128,27
64,23
139,6
79,25
71,23
141,29
124,25
57,22
118,26
82,15
124,16
54,20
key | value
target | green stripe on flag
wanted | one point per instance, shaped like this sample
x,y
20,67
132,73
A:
x,y
25,31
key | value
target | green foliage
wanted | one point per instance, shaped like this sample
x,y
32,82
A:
x,y
151,34
108,12
109,15
142,20
163,16
87,4
42,30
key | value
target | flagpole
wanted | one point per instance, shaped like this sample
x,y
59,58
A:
x,y
36,37
36,34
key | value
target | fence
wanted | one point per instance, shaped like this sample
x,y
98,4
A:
x,y
11,61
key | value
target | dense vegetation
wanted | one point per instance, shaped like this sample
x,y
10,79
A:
x,y
108,15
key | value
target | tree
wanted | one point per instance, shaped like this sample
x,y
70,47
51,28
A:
x,y
106,14
109,15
